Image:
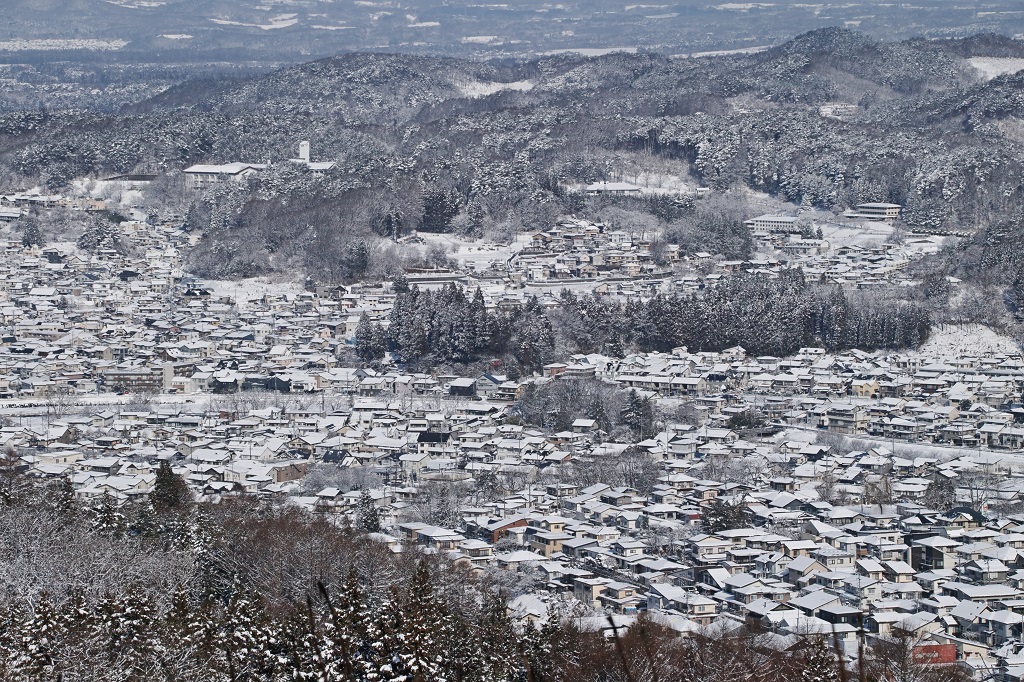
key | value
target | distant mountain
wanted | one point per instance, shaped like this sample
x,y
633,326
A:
x,y
269,33
983,45
455,144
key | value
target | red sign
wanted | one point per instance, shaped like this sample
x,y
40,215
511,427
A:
x,y
934,654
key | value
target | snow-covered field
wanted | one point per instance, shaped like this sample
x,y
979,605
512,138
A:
x,y
653,182
648,182
862,234
483,89
101,189
720,53
967,340
62,44
137,4
478,254
743,6
990,67
282,21
591,51
414,22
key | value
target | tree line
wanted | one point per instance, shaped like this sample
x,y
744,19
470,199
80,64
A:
x,y
763,314
448,327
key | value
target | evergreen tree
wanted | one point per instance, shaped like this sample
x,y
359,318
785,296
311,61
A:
x,y
14,485
364,338
549,649
419,655
371,341
170,492
122,627
40,635
31,234
387,649
107,518
638,414
12,619
820,662
400,284
180,619
141,520
534,337
367,514
513,371
349,621
64,500
440,206
247,642
497,638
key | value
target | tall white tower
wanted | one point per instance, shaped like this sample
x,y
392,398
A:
x,y
304,151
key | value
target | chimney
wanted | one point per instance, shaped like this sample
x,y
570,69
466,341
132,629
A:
x,y
304,151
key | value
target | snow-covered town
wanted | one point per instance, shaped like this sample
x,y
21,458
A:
x,y
848,493
438,341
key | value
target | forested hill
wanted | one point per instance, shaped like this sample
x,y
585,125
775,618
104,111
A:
x,y
445,144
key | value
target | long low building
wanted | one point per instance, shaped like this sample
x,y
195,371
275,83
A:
x,y
203,175
772,224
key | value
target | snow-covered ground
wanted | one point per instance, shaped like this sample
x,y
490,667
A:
x,y
482,89
281,21
848,234
62,44
137,4
475,254
967,340
591,51
649,182
990,67
101,189
719,53
743,6
414,22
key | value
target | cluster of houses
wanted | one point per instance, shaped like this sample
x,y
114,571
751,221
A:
x,y
967,400
850,266
848,538
582,250
620,263
14,206
816,550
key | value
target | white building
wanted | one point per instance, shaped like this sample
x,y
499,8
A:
x,y
877,212
772,224
304,160
204,175
612,188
